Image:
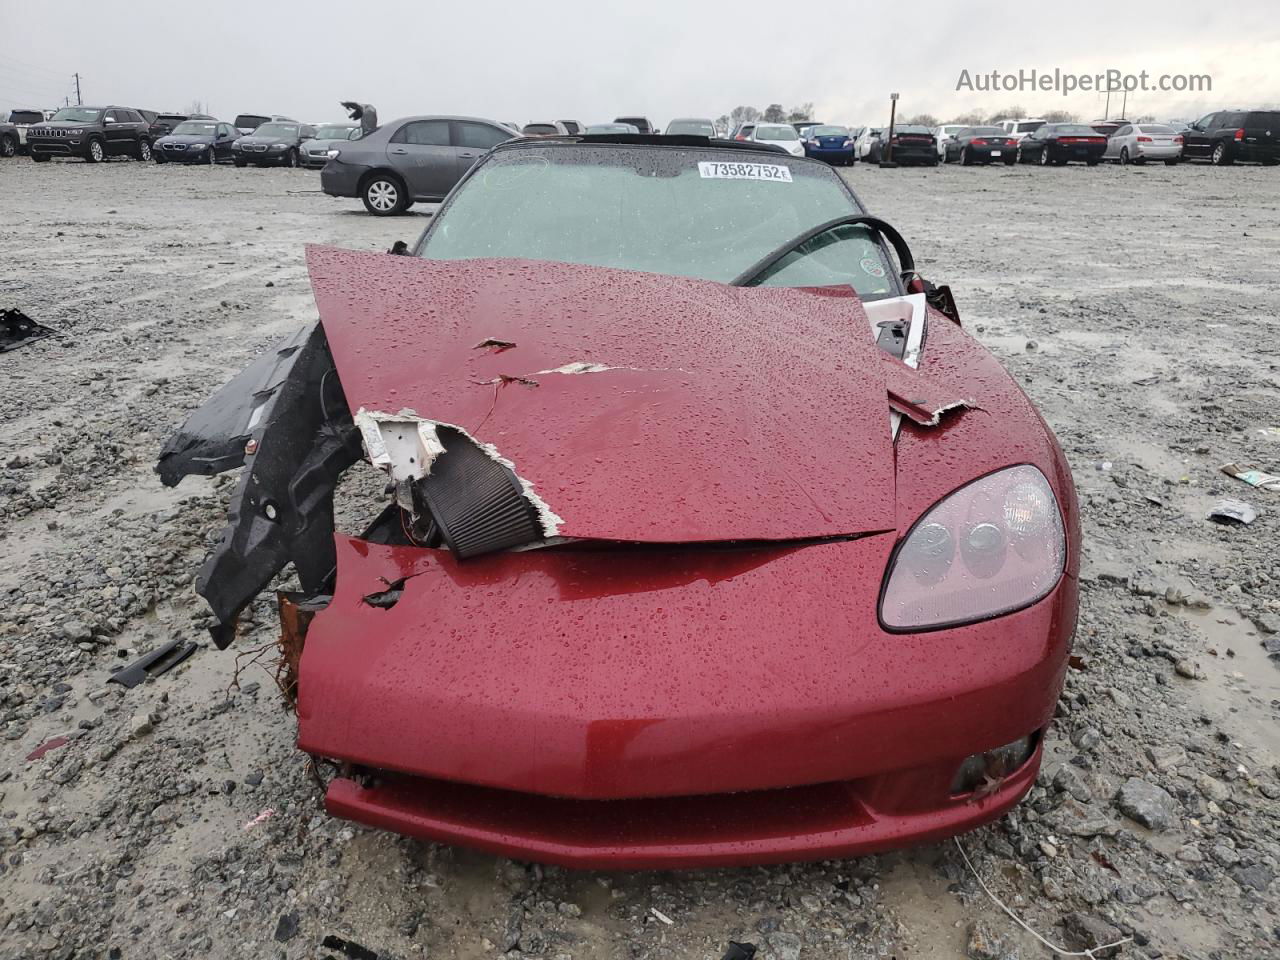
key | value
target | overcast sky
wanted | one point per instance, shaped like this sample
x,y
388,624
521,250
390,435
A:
x,y
591,61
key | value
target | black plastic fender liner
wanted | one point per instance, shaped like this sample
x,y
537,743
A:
x,y
477,502
286,420
212,439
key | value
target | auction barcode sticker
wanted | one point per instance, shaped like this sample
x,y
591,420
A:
x,y
717,170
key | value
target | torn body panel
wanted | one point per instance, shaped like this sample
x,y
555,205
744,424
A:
x,y
285,419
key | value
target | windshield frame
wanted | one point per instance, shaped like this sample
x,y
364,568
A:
x,y
743,154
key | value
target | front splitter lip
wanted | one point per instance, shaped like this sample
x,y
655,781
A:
x,y
528,828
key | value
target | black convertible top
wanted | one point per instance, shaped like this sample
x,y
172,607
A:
x,y
655,140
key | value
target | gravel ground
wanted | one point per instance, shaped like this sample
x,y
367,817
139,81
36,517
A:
x,y
1137,306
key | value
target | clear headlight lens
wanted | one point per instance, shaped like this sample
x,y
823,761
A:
x,y
992,547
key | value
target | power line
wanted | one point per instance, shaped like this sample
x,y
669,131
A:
x,y
32,67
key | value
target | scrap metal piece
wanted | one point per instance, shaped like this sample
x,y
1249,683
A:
x,y
159,661
348,948
18,330
1232,512
364,113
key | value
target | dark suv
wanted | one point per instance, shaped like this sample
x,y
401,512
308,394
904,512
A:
x,y
1231,135
93,133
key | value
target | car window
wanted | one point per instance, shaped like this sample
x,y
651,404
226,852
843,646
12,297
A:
x,y
1207,121
1233,120
478,136
776,132
424,133
539,129
696,213
696,128
224,130
1269,119
1123,131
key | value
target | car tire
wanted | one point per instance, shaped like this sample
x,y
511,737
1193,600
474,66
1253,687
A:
x,y
1219,157
240,163
157,157
39,157
1171,163
1010,161
142,151
8,146
1092,163
1124,156
1044,157
95,152
384,195
290,158
966,159
208,156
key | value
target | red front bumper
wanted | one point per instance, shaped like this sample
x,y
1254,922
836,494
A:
x,y
817,822
645,708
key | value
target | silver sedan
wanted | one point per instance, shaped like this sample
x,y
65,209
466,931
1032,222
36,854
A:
x,y
1140,142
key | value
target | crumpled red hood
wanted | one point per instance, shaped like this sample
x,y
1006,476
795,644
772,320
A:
x,y
721,413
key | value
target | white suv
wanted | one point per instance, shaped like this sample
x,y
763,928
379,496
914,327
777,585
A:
x,y
1022,126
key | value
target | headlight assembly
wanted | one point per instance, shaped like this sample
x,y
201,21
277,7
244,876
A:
x,y
992,547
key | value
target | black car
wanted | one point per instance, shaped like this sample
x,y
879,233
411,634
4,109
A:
x,y
911,143
1231,135
277,143
1060,143
93,133
196,141
982,145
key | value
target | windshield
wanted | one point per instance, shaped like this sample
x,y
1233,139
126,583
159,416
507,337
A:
x,y
196,128
249,120
596,128
77,115
683,212
776,132
696,128
983,132
1075,130
911,130
540,129
26,116
1028,127
828,131
1155,128
334,132
277,130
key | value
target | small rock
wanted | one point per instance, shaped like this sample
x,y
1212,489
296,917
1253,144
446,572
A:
x,y
784,946
1166,756
254,778
986,944
1085,932
286,927
569,909
1189,669
77,631
1267,623
1212,789
1258,876
141,725
1147,804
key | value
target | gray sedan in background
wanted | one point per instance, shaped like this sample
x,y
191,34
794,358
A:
x,y
315,152
408,160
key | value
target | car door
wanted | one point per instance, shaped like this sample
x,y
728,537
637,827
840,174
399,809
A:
x,y
1115,142
222,141
113,130
1196,140
422,152
472,140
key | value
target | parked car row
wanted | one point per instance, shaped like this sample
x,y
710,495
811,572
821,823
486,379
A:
x,y
1221,138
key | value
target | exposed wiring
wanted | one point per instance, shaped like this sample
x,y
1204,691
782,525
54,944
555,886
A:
x,y
1092,952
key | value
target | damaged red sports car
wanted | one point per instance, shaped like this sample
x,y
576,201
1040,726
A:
x,y
709,537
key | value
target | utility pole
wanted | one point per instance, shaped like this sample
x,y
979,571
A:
x,y
79,102
1124,104
886,152
1106,113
